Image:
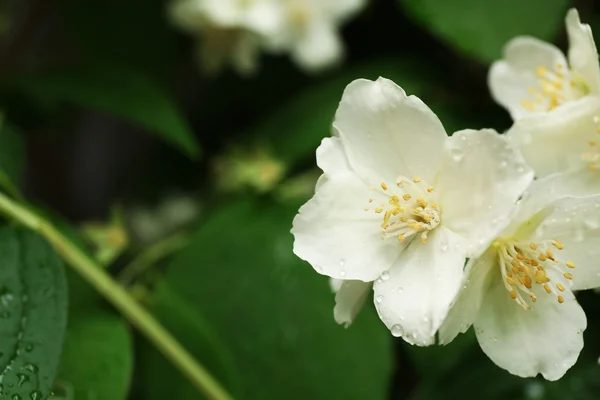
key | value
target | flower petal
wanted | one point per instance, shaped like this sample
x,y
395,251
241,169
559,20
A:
x,y
331,157
414,298
510,79
546,340
583,56
543,192
335,234
465,308
556,141
481,178
576,223
319,46
387,134
349,299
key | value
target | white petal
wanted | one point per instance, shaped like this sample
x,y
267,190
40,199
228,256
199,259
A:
x,y
555,141
349,299
387,134
576,223
331,157
340,10
583,56
318,47
545,191
414,300
334,233
466,306
546,340
510,79
481,178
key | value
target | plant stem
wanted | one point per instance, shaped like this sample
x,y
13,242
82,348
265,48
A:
x,y
120,299
151,256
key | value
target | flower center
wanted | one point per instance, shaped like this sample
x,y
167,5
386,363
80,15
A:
x,y
524,264
555,87
407,209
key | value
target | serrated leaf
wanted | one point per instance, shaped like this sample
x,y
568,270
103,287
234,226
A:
x,y
97,360
33,314
119,91
274,313
481,28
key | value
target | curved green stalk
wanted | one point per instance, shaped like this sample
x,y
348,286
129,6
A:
x,y
119,298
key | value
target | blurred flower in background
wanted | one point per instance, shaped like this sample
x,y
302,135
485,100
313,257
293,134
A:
x,y
553,99
236,31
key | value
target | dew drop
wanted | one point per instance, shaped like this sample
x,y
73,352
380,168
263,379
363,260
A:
x,y
16,397
343,273
425,319
397,330
444,246
494,339
400,289
35,395
22,379
379,299
342,262
457,155
29,348
578,235
318,268
385,276
31,368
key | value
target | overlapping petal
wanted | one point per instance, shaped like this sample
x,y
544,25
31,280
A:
x,y
557,141
387,133
481,178
583,56
414,296
349,300
545,340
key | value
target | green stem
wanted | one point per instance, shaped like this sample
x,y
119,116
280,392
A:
x,y
119,298
151,256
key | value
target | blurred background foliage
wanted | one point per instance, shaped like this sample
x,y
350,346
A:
x,y
184,187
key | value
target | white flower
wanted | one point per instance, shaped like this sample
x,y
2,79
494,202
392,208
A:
x,y
309,30
554,103
230,31
236,31
518,294
402,204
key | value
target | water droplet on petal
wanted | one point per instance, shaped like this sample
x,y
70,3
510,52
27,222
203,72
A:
x,y
379,299
385,276
400,289
342,262
397,330
457,154
444,246
318,268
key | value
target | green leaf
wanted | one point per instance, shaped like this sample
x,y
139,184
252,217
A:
x,y
197,337
481,28
274,313
12,151
114,90
296,129
33,309
97,360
